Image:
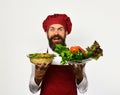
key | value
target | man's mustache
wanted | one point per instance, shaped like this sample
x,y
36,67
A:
x,y
56,36
52,45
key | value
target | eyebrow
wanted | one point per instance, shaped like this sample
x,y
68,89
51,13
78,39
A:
x,y
57,28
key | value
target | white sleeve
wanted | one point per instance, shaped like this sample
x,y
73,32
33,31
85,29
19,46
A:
x,y
32,85
82,87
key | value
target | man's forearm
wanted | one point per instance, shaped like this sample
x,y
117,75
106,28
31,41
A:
x,y
83,85
79,78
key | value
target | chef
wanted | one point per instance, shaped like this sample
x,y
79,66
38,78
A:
x,y
53,78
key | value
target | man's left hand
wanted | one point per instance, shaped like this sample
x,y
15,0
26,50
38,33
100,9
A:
x,y
78,70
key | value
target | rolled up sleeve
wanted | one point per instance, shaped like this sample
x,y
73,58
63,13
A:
x,y
83,85
33,87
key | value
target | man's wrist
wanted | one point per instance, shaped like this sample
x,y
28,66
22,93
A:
x,y
38,80
79,78
79,81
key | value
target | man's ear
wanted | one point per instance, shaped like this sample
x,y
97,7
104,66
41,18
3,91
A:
x,y
66,32
46,33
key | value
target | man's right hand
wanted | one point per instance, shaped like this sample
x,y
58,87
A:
x,y
40,70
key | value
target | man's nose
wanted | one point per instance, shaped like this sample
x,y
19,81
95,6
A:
x,y
56,32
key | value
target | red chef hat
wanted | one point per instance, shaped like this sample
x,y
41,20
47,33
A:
x,y
62,19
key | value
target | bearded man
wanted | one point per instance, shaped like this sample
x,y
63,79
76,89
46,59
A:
x,y
53,78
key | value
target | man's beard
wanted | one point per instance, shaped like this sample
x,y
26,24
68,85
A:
x,y
53,45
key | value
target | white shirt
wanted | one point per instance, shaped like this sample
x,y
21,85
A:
x,y
82,87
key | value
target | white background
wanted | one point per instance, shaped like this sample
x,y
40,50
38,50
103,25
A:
x,y
21,32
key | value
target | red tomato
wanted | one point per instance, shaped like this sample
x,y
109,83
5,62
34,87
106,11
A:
x,y
75,49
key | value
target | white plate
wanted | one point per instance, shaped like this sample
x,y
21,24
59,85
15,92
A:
x,y
77,61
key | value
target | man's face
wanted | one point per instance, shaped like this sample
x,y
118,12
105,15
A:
x,y
56,35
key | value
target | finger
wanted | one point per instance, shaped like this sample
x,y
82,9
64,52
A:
x,y
37,66
40,66
75,66
80,66
46,65
83,65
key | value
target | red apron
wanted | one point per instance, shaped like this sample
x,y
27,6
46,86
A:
x,y
59,80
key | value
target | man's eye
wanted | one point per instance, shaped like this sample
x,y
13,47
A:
x,y
51,29
61,29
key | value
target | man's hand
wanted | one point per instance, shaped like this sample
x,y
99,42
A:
x,y
78,70
40,70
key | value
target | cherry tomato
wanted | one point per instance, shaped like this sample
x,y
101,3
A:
x,y
74,49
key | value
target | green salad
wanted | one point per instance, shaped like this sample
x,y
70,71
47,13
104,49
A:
x,y
78,54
